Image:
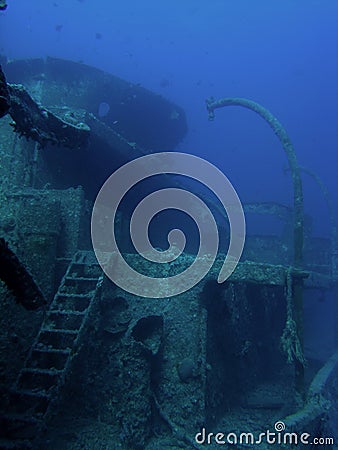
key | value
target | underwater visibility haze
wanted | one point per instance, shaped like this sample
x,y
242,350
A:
x,y
120,124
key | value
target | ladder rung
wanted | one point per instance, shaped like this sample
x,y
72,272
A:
x,y
85,257
65,295
41,371
45,349
30,393
82,278
59,331
65,312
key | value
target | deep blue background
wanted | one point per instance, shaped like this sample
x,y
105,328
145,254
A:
x,y
280,53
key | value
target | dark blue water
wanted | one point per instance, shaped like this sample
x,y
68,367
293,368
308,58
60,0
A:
x,y
281,54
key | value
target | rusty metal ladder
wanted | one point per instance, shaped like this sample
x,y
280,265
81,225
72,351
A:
x,y
38,384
